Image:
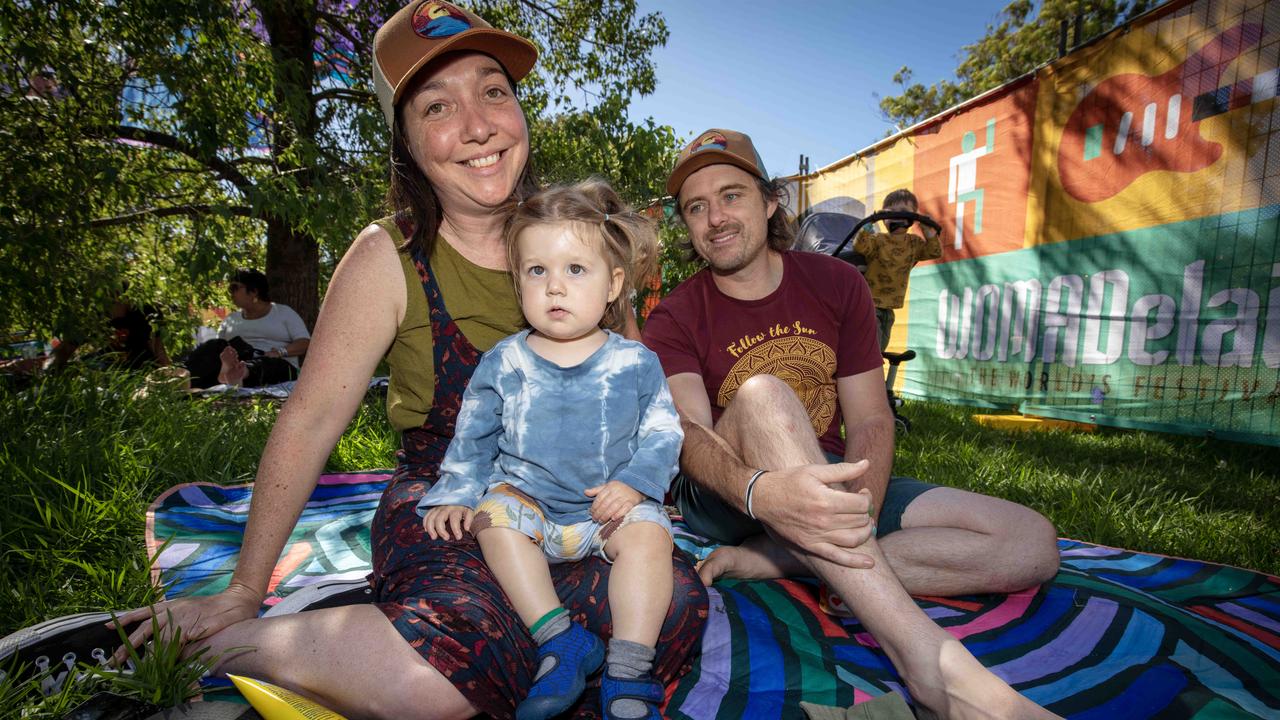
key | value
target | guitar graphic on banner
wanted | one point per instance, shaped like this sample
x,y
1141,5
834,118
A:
x,y
1115,134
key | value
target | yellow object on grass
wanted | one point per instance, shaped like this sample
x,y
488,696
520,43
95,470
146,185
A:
x,y
1026,422
275,703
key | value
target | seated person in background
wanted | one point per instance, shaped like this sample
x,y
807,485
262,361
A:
x,y
135,342
259,344
890,257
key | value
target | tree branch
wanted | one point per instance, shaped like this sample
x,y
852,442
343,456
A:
x,y
337,24
540,8
342,94
220,167
176,210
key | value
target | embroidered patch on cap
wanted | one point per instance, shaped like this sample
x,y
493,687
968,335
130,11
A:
x,y
437,19
710,141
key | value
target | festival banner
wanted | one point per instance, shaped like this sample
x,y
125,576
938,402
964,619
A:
x,y
1111,231
972,173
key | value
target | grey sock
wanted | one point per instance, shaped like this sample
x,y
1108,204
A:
x,y
552,628
628,659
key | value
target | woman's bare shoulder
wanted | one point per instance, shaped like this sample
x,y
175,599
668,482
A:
x,y
370,271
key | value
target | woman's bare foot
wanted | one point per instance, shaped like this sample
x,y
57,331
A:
x,y
233,369
757,558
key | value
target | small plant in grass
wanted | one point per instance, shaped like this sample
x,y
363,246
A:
x,y
163,675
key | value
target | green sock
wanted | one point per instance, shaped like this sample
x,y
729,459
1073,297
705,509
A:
x,y
550,625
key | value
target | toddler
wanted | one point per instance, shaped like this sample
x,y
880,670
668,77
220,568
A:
x,y
566,443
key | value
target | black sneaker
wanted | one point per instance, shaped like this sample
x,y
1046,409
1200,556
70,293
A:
x,y
53,648
336,593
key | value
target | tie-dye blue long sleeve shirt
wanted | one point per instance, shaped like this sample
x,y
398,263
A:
x,y
552,432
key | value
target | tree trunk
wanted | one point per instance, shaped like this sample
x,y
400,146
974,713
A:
x,y
293,256
293,270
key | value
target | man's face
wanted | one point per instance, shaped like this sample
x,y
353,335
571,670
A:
x,y
727,217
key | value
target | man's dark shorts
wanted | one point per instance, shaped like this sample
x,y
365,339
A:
x,y
709,516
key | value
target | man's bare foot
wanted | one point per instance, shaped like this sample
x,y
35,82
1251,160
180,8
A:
x,y
233,369
757,558
967,690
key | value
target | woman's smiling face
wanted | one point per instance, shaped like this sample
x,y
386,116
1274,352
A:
x,y
467,132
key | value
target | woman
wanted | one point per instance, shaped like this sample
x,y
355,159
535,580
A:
x,y
258,344
441,626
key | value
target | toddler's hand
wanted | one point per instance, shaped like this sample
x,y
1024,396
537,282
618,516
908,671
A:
x,y
439,519
613,500
929,232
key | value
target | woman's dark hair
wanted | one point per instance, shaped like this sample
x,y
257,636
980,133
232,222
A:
x,y
781,232
253,281
410,194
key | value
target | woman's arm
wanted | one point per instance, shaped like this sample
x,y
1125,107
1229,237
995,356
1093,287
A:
x,y
358,320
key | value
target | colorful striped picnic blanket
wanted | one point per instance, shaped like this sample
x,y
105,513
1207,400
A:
x,y
1118,634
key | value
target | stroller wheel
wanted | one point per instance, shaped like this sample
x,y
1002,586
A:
x,y
901,424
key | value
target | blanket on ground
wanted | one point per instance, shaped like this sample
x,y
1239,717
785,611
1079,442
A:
x,y
1117,634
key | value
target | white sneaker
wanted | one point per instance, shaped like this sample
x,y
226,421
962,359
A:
x,y
336,593
53,648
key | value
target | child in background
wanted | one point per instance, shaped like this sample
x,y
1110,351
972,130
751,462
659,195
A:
x,y
566,443
890,257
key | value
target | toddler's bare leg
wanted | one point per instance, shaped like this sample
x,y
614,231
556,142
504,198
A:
x,y
640,583
521,570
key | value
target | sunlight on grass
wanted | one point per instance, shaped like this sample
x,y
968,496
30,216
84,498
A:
x,y
1168,494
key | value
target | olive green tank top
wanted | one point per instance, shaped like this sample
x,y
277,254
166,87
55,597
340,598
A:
x,y
480,300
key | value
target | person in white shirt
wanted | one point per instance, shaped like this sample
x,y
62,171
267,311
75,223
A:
x,y
259,344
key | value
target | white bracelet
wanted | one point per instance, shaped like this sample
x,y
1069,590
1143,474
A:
x,y
751,485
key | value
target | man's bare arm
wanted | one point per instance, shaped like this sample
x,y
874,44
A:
x,y
803,506
868,431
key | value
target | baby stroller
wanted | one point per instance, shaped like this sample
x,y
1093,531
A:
x,y
832,233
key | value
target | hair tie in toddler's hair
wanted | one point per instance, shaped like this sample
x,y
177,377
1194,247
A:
x,y
606,217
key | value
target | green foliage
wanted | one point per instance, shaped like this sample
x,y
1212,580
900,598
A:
x,y
1017,44
83,457
163,675
165,143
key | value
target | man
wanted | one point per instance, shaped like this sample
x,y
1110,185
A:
x,y
768,352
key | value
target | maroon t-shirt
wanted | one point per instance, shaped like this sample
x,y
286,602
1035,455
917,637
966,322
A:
x,y
817,326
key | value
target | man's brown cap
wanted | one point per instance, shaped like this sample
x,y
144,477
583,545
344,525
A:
x,y
713,147
422,31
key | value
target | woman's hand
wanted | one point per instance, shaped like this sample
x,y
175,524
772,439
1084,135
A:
x,y
613,500
197,618
440,519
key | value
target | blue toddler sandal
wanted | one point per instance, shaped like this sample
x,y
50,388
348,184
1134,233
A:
x,y
564,663
630,698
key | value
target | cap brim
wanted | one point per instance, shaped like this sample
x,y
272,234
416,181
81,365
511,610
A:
x,y
701,159
516,55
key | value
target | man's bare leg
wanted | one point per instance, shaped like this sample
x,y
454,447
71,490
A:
x,y
940,673
954,542
768,427
350,659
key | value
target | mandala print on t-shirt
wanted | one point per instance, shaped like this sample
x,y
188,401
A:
x,y
804,364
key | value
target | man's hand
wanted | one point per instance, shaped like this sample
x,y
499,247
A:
x,y
447,522
808,508
197,617
613,500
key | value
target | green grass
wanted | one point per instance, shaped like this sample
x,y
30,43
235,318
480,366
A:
x,y
83,455
1169,494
